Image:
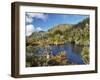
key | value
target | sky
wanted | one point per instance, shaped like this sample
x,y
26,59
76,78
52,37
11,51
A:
x,y
44,21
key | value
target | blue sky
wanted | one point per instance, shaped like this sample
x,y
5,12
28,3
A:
x,y
45,21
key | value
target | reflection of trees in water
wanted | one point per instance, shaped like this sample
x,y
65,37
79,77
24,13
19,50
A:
x,y
46,58
84,52
43,55
76,49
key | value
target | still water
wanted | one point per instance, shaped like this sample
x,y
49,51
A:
x,y
73,52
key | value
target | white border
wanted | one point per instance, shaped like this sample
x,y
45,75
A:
x,y
37,70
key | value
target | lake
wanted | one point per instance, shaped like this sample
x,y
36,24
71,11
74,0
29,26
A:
x,y
73,52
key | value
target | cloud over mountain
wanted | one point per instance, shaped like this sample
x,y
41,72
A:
x,y
30,17
30,29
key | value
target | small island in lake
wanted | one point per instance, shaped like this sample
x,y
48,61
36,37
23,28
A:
x,y
56,39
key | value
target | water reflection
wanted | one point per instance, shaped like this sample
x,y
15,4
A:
x,y
73,52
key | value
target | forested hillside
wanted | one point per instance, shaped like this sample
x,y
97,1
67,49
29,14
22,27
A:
x,y
62,33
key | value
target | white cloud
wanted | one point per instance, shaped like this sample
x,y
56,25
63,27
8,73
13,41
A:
x,y
38,29
29,29
29,20
30,16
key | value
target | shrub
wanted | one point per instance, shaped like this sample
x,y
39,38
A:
x,y
85,55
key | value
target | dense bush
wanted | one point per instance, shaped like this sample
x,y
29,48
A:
x,y
85,55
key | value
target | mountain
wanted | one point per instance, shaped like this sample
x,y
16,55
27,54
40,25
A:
x,y
61,27
82,24
78,34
